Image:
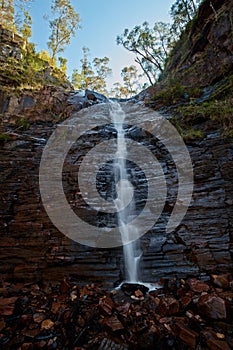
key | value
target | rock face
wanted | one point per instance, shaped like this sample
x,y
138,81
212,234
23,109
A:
x,y
49,103
33,249
206,47
11,49
11,44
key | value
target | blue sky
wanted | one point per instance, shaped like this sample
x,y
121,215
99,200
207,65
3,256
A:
x,y
101,21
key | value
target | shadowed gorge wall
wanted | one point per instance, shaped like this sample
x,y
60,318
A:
x,y
32,248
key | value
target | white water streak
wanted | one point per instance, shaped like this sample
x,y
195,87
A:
x,y
124,192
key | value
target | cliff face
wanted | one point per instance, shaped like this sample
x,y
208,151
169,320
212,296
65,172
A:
x,y
204,54
33,249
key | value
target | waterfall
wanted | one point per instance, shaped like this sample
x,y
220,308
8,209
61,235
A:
x,y
125,192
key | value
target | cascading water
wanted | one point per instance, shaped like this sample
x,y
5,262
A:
x,y
125,191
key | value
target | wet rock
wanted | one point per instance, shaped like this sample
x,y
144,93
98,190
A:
x,y
135,298
27,346
185,301
221,281
39,317
47,324
212,306
149,339
64,287
24,219
108,344
7,306
95,96
214,344
106,305
30,333
101,320
56,307
198,286
114,324
168,306
123,310
83,99
187,335
135,289
2,324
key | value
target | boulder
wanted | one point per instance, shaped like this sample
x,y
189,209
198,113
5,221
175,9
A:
x,y
198,286
168,306
212,306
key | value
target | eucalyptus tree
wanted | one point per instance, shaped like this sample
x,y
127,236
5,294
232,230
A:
x,y
63,26
150,45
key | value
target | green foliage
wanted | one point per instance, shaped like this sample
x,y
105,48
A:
x,y
92,75
129,76
185,128
171,95
119,91
22,123
217,112
63,62
150,45
45,56
220,112
182,12
175,93
4,138
31,71
131,85
7,14
26,30
192,134
63,26
14,15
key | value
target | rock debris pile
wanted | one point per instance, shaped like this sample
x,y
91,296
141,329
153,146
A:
x,y
182,314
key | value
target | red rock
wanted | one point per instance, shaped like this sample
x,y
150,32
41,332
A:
x,y
56,307
2,324
181,292
138,293
168,306
106,305
198,286
114,324
220,335
26,346
64,287
80,321
38,318
227,295
187,335
26,319
123,309
163,320
31,333
212,306
7,306
221,281
47,324
133,297
185,301
214,344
